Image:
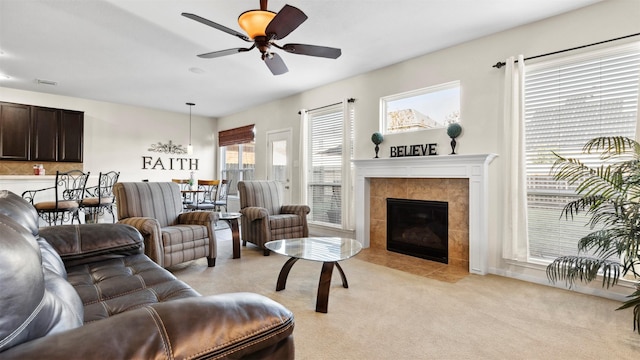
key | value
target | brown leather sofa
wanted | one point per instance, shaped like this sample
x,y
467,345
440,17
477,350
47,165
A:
x,y
88,291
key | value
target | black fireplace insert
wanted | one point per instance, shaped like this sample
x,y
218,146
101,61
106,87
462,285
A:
x,y
418,228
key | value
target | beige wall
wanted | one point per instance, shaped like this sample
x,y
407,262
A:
x,y
117,136
481,98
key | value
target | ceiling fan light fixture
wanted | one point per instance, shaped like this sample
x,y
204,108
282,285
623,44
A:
x,y
254,22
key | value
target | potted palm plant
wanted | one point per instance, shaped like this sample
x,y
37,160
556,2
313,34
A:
x,y
610,196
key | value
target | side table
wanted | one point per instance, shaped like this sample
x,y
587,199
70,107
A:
x,y
232,218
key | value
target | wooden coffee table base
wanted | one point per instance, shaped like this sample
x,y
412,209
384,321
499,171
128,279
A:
x,y
324,285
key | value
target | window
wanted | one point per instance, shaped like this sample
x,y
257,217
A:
x,y
238,163
568,102
237,154
429,108
330,130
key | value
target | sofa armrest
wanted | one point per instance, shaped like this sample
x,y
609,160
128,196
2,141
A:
x,y
81,244
240,325
198,218
301,210
253,213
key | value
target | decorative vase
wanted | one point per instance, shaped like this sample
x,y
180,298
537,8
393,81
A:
x,y
453,146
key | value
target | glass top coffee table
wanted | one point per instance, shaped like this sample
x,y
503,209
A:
x,y
329,250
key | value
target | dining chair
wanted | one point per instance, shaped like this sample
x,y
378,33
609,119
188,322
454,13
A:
x,y
187,197
206,195
61,202
223,195
100,198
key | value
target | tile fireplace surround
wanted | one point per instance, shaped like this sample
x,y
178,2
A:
x,y
443,167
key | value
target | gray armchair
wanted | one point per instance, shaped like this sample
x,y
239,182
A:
x,y
265,218
170,235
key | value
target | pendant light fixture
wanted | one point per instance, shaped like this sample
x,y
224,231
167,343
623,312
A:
x,y
190,147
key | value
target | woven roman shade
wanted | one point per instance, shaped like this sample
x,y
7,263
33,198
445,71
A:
x,y
240,135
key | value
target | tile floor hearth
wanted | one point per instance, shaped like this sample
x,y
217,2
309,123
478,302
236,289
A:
x,y
413,265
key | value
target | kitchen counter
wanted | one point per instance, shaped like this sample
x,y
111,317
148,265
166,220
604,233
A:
x,y
21,183
26,177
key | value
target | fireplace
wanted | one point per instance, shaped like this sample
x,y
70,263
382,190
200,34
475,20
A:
x,y
468,220
418,228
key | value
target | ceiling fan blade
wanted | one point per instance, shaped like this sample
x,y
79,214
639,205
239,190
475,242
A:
x,y
216,26
311,50
275,64
285,21
215,54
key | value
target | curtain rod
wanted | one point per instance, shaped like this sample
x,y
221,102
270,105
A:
x,y
500,64
326,106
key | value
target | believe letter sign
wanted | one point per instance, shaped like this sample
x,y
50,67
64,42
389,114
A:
x,y
414,150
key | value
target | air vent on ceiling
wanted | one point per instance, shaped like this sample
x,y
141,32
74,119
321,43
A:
x,y
46,82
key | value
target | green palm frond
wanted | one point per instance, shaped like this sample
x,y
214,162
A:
x,y
609,146
609,194
634,301
584,203
584,269
602,243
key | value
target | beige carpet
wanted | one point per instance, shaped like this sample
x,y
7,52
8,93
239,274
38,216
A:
x,y
390,314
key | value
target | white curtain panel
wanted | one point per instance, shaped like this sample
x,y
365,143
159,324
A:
x,y
302,159
348,208
514,228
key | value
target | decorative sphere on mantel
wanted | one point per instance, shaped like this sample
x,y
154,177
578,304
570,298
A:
x,y
454,130
377,138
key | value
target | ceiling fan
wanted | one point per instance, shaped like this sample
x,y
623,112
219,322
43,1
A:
x,y
263,28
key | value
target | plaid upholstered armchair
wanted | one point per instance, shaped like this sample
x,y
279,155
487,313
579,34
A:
x,y
170,236
265,218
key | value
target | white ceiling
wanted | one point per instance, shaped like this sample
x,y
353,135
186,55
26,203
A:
x,y
142,52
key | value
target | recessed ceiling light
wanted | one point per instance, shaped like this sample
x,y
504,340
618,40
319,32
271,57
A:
x,y
196,70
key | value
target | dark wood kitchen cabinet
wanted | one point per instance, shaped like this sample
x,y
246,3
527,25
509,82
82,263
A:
x,y
71,136
34,133
15,131
44,133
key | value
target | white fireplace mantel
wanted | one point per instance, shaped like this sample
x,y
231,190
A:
x,y
472,167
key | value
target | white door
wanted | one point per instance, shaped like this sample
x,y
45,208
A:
x,y
279,159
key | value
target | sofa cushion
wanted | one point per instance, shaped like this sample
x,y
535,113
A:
x,y
19,210
178,242
285,221
33,302
117,285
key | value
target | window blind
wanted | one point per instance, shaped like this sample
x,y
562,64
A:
x,y
240,135
325,178
568,102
